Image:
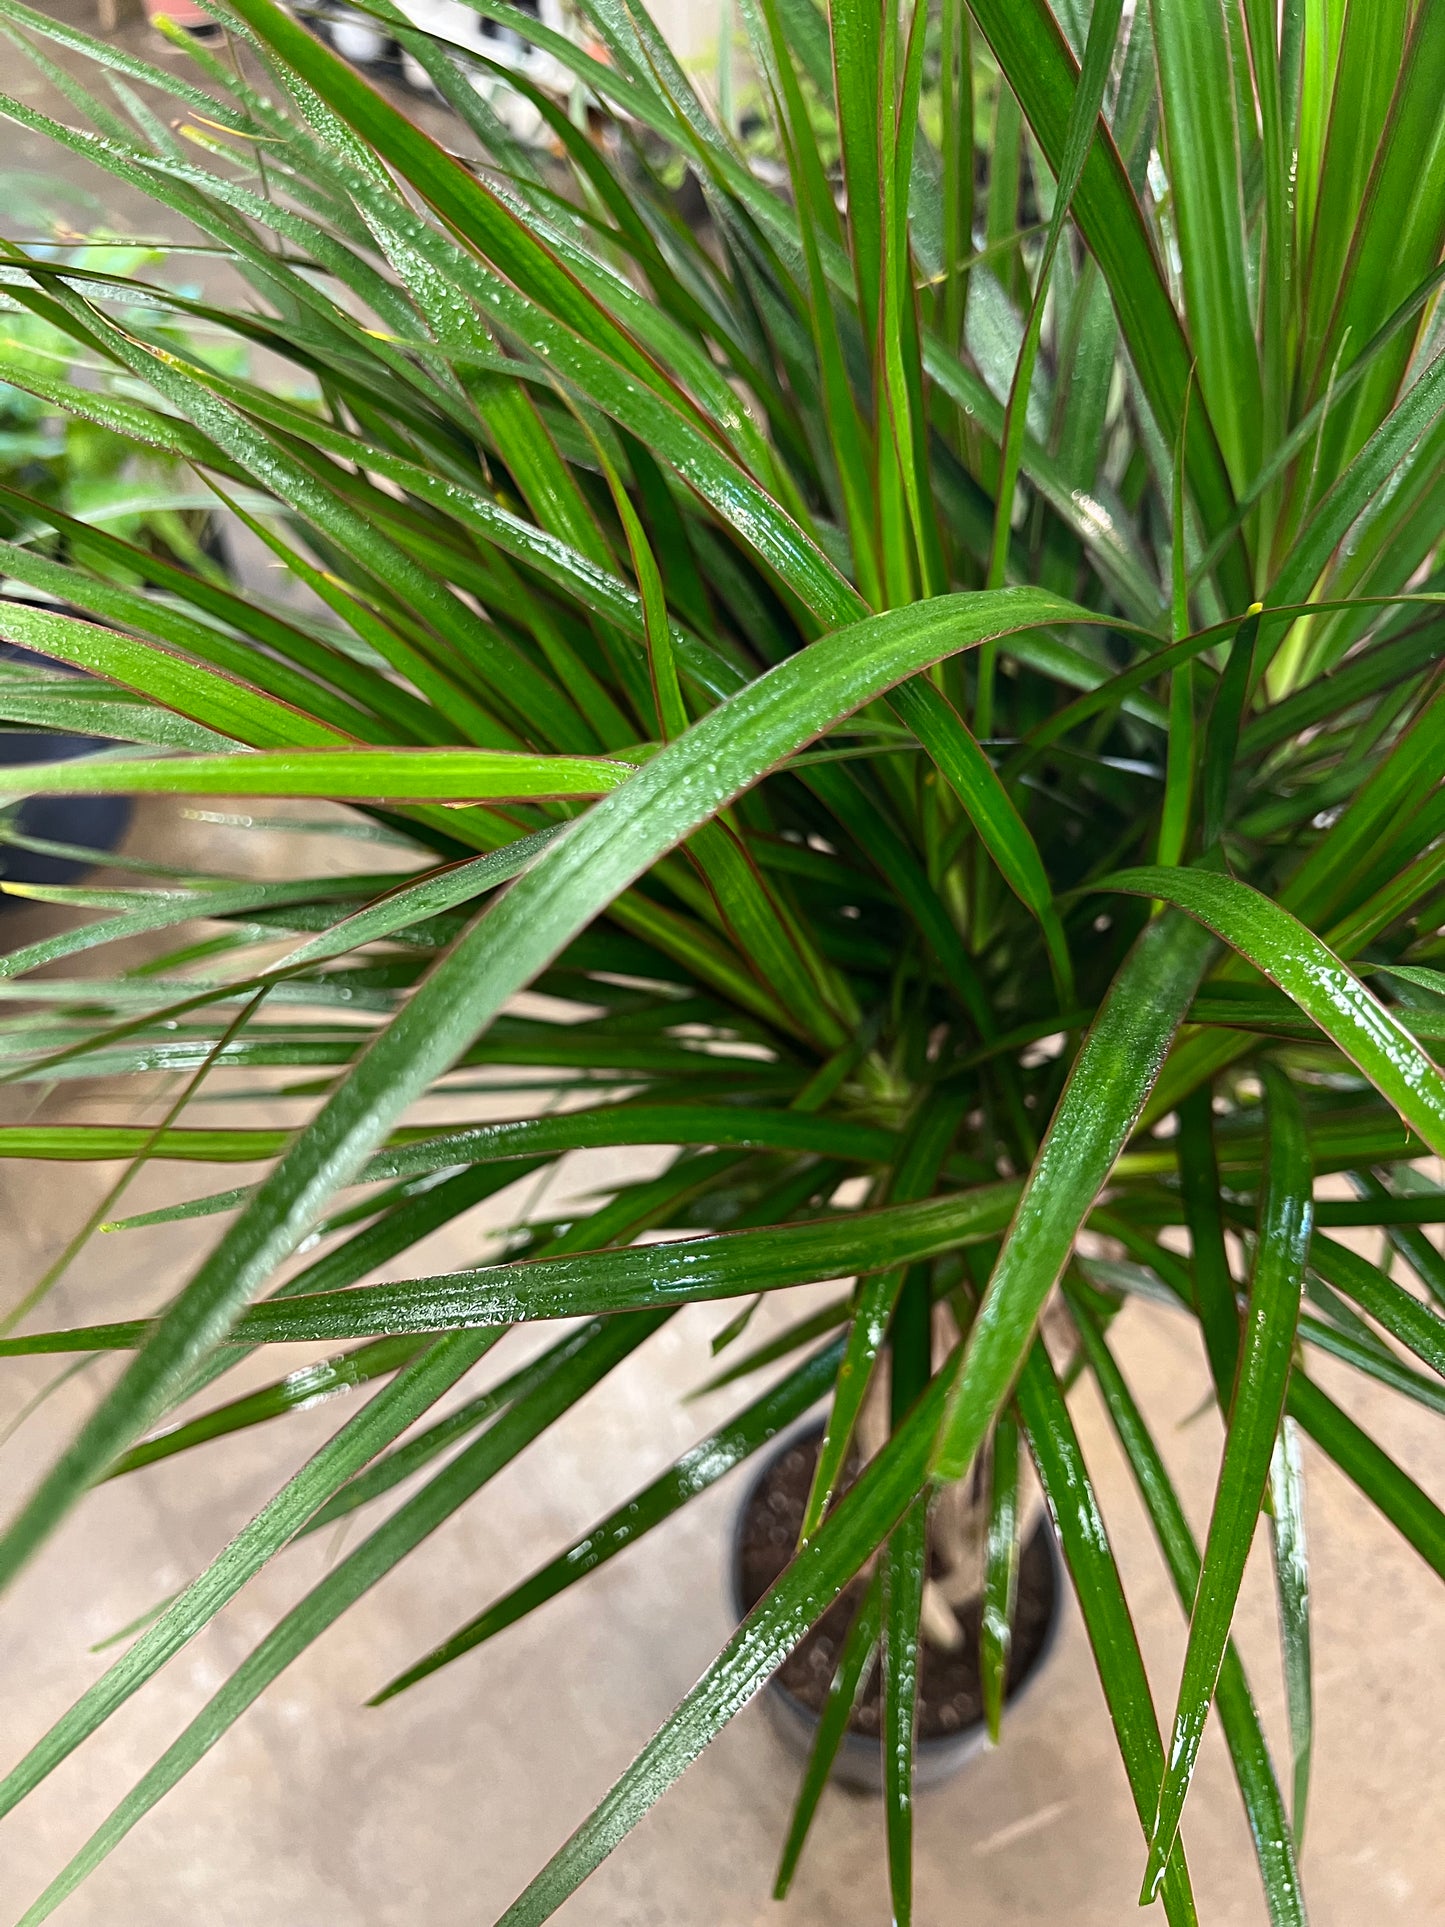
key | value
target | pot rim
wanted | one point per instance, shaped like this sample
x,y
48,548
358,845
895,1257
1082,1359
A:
x,y
861,1745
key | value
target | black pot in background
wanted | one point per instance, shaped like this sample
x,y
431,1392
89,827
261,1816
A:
x,y
858,1763
93,822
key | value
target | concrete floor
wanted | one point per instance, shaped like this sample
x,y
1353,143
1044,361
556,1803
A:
x,y
438,1807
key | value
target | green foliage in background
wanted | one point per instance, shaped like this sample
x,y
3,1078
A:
x,y
62,461
929,672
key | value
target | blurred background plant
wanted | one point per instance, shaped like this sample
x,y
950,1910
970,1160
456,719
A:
x,y
56,464
81,468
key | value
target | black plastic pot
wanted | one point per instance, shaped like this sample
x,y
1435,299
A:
x,y
859,1760
93,822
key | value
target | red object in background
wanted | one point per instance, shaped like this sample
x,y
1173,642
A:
x,y
185,13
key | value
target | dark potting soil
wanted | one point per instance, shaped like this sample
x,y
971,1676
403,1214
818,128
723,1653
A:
x,y
950,1693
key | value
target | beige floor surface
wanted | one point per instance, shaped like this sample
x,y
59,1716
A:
x,y
437,1807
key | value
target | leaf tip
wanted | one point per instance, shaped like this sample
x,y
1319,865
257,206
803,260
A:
x,y
1153,1874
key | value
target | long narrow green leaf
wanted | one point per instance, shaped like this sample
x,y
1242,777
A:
x,y
1367,1355
422,1448
1111,1077
946,737
1414,1247
1213,1282
592,1354
1221,743
1039,65
1054,1446
1266,935
904,1561
397,775
370,702
1292,1589
789,1340
1203,151
682,1271
411,903
569,342
299,1391
384,1419
1415,1325
1000,1571
1078,138
771,1630
396,1229
857,68
240,443
1182,752
920,1158
141,912
709,1460
848,1682
70,1143
1369,62
221,702
59,708
1248,1749
1391,444
607,1127
1412,1512
574,878
820,218
1254,1420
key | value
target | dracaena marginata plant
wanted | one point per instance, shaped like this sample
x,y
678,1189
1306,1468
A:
x,y
959,625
